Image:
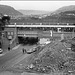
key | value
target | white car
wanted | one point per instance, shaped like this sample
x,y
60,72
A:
x,y
1,51
31,50
47,42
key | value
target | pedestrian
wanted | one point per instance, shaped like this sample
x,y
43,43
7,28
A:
x,y
8,48
23,50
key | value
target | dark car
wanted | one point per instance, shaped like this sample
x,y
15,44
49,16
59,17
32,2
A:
x,y
1,51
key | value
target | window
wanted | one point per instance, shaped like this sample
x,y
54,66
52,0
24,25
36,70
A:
x,y
8,33
12,33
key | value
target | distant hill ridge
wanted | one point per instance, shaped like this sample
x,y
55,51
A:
x,y
4,9
33,12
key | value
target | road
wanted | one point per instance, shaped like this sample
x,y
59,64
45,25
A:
x,y
9,56
12,57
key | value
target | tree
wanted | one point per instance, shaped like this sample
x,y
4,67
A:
x,y
3,21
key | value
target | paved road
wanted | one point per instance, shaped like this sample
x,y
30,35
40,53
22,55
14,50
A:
x,y
11,57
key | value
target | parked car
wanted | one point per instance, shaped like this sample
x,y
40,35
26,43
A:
x,y
1,51
31,50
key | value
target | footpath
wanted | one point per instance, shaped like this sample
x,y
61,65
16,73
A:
x,y
15,47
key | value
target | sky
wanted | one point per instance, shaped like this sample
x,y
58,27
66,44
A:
x,y
37,5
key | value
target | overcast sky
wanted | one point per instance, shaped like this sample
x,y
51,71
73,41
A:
x,y
37,5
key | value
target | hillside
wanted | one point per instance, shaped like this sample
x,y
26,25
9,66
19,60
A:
x,y
64,14
56,58
64,9
4,9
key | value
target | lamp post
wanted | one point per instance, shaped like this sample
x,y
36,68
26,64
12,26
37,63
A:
x,y
15,34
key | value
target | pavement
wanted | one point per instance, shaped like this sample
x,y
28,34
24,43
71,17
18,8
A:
x,y
8,51
15,47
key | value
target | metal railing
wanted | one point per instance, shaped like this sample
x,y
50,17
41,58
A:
x,y
42,23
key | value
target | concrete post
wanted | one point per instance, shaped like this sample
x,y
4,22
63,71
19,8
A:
x,y
51,33
62,36
73,33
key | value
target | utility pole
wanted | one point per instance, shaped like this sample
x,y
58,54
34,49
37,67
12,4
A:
x,y
73,33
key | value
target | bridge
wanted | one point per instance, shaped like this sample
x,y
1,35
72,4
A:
x,y
52,32
42,31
